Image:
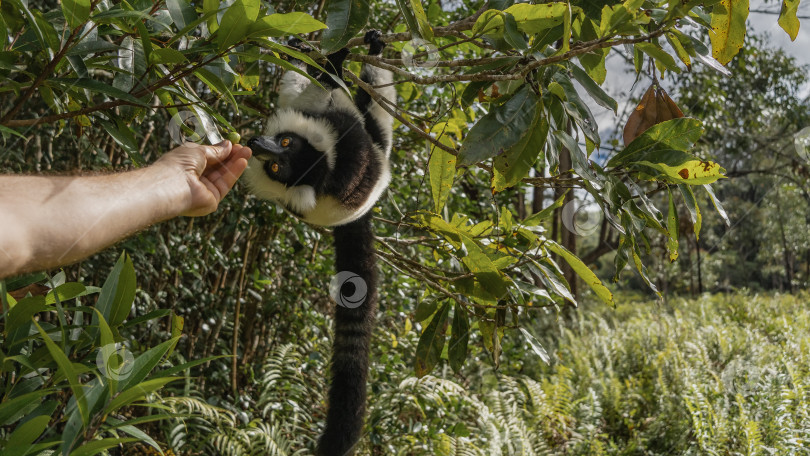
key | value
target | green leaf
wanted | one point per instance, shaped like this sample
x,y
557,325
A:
x,y
501,128
123,137
66,368
285,24
425,308
536,347
408,14
459,337
717,206
76,12
681,49
99,87
124,80
147,361
134,432
660,55
484,270
678,134
728,29
236,21
594,90
512,35
216,85
345,18
694,209
181,367
425,30
514,164
117,293
19,442
787,18
146,42
431,343
10,131
211,11
680,167
672,229
442,168
546,212
137,392
97,446
583,271
10,407
166,55
530,19
108,352
65,291
181,12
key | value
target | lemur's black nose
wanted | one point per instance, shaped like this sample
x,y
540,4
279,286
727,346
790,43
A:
x,y
264,148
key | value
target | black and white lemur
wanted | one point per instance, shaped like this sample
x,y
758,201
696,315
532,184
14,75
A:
x,y
325,158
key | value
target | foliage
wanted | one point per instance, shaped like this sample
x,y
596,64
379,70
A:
x,y
761,241
490,111
71,380
714,375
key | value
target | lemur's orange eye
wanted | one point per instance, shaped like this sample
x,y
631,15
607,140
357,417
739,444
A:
x,y
274,167
285,142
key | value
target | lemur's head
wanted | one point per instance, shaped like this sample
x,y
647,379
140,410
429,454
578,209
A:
x,y
291,160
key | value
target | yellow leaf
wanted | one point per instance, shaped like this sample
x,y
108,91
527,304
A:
x,y
728,29
787,18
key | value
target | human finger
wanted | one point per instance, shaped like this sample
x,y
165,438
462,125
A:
x,y
225,177
217,153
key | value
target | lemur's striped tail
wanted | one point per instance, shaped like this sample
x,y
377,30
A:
x,y
355,264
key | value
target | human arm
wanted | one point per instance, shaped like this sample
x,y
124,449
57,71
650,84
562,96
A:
x,y
46,221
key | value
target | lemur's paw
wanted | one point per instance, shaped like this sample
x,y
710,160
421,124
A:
x,y
374,39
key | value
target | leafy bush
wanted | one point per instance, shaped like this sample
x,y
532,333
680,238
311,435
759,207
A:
x,y
73,374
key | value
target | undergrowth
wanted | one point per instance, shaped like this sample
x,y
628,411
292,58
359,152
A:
x,y
718,375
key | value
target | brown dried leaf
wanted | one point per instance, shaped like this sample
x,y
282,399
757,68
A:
x,y
655,107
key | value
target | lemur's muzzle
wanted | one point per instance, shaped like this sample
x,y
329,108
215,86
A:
x,y
265,148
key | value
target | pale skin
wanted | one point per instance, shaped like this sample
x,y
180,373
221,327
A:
x,y
49,221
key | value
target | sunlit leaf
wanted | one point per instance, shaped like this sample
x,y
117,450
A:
x,y
672,230
583,271
728,29
788,19
537,348
285,24
236,21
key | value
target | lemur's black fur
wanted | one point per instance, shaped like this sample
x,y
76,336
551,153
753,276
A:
x,y
354,251
326,160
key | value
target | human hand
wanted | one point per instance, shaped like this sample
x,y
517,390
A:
x,y
209,173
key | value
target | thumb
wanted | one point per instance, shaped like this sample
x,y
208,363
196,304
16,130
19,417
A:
x,y
218,153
